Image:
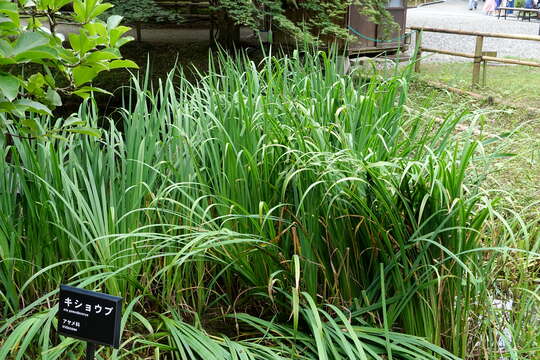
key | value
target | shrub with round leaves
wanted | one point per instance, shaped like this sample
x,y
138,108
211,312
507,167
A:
x,y
29,35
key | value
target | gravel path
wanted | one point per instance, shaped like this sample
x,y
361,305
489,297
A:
x,y
454,15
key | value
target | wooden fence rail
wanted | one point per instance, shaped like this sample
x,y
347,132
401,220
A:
x,y
479,57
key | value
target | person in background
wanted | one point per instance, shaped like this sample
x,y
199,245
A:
x,y
489,7
473,4
529,4
498,4
509,3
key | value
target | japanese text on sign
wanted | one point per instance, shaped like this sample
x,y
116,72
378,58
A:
x,y
86,309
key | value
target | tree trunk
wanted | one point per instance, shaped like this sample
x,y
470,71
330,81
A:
x,y
138,28
227,32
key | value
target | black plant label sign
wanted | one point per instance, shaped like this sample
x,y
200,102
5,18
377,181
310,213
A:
x,y
89,316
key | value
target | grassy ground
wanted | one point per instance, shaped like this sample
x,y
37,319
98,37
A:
x,y
511,82
518,174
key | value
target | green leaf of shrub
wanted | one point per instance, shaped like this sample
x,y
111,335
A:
x,y
35,83
116,35
9,86
73,120
34,106
58,4
116,64
85,91
11,11
106,54
31,124
5,48
6,106
53,97
37,54
86,131
28,41
113,21
79,11
83,74
100,9
81,43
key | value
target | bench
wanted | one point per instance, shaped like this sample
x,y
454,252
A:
x,y
522,12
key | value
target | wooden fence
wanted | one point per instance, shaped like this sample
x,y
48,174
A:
x,y
479,57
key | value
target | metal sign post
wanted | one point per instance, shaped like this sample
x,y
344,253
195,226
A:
x,y
90,351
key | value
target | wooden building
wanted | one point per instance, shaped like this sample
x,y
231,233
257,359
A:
x,y
369,38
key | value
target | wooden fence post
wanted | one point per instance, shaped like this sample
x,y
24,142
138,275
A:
x,y
477,61
484,72
418,50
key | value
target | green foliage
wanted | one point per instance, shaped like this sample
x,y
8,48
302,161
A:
x,y
63,68
278,210
144,11
324,17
